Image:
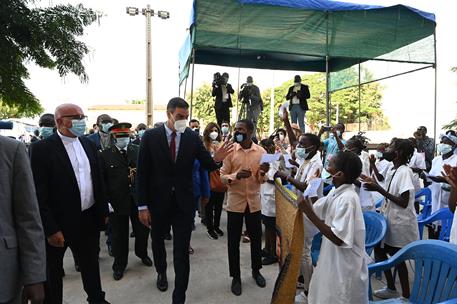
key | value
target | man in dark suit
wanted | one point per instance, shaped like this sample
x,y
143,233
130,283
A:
x,y
73,207
101,138
165,189
222,90
119,171
298,104
22,251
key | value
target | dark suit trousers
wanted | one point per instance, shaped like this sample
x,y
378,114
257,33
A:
x,y
120,237
222,114
86,249
213,210
181,223
234,230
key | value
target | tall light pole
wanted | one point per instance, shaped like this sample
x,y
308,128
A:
x,y
148,13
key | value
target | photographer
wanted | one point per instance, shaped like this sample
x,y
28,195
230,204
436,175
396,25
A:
x,y
223,102
297,95
250,97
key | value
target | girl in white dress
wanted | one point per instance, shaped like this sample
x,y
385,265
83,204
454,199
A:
x,y
341,274
399,211
451,179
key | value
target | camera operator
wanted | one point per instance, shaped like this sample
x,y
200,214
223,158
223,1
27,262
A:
x,y
298,94
250,97
222,91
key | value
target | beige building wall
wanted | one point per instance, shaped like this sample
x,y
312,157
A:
x,y
132,113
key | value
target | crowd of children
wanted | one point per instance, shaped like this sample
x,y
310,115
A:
x,y
359,180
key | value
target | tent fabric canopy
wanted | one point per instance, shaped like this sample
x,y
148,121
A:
x,y
299,34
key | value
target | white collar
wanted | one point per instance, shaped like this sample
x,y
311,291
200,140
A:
x,y
67,139
169,131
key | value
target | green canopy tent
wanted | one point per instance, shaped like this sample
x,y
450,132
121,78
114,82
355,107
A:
x,y
308,35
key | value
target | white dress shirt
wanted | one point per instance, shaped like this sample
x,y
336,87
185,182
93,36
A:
x,y
81,168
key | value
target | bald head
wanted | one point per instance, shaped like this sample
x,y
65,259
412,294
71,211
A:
x,y
63,116
67,109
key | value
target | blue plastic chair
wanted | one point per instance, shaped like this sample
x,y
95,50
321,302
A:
x,y
379,202
435,276
424,197
445,216
375,230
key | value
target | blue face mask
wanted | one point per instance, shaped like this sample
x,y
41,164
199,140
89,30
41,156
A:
x,y
141,133
78,127
45,132
302,153
122,142
240,137
106,126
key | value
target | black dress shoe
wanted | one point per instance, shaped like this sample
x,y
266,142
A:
x,y
236,286
118,274
162,282
219,231
146,261
259,279
269,260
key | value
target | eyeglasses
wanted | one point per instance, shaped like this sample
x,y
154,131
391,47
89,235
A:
x,y
76,117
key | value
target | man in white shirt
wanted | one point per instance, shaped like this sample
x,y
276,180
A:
x,y
72,201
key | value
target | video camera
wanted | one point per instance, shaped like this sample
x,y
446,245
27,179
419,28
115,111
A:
x,y
245,93
218,80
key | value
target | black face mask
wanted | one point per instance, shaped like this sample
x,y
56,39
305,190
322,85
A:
x,y
389,155
239,137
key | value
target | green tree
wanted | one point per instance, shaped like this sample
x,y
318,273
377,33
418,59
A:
x,y
45,36
19,111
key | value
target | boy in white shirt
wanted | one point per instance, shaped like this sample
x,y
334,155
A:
x,y
341,274
307,149
267,199
399,211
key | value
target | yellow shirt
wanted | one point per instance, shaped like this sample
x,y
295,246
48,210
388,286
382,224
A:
x,y
243,192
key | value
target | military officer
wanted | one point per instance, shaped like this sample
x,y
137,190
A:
x,y
119,168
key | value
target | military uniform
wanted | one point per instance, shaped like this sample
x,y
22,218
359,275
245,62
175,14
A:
x,y
119,168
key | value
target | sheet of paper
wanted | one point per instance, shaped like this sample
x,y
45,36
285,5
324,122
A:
x,y
286,161
313,186
269,158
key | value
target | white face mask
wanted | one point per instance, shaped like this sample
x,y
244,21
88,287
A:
x,y
180,125
213,135
122,142
444,149
225,130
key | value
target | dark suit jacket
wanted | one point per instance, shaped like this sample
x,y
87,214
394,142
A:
x,y
302,95
120,191
217,92
158,176
57,189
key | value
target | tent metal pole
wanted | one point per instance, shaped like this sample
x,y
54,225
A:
x,y
360,103
436,92
327,76
185,88
272,104
192,83
327,93
383,78
238,93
